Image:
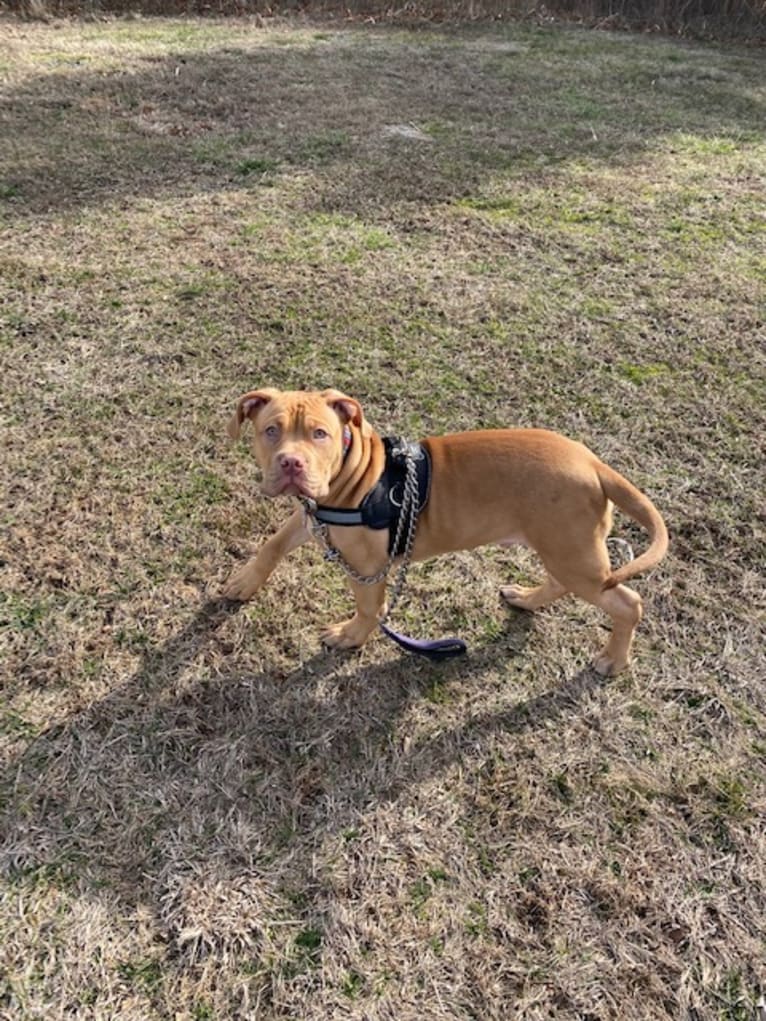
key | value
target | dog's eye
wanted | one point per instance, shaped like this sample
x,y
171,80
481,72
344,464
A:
x,y
320,434
271,432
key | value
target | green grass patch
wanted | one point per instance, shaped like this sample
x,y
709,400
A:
x,y
353,984
252,166
142,975
18,613
323,147
640,374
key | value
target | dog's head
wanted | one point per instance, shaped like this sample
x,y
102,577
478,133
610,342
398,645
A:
x,y
298,437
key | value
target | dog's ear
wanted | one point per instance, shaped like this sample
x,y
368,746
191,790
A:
x,y
347,408
247,407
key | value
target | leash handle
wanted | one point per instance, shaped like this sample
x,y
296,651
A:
x,y
436,649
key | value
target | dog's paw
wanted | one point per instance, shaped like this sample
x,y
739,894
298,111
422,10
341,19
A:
x,y
606,664
348,634
516,595
241,585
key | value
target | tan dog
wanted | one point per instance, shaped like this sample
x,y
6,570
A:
x,y
514,486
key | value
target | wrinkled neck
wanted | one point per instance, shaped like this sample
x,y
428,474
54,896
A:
x,y
361,469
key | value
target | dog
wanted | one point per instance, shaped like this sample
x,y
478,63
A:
x,y
503,486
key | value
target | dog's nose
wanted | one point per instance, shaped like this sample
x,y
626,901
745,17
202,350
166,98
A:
x,y
292,464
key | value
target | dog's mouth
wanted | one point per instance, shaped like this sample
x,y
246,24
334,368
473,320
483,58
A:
x,y
292,485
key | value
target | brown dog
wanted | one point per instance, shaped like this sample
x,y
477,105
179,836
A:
x,y
510,486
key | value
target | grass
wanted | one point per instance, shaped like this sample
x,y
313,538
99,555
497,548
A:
x,y
204,815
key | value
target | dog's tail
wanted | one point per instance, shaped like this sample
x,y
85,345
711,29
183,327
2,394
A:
x,y
639,507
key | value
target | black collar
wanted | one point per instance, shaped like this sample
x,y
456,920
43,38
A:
x,y
332,515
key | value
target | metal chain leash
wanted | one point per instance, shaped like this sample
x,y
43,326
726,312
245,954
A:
x,y
408,519
411,503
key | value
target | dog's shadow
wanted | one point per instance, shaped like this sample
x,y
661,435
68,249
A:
x,y
163,776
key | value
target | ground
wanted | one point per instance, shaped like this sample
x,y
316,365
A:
x,y
204,815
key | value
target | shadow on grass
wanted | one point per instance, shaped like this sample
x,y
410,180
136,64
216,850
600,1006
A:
x,y
203,122
242,775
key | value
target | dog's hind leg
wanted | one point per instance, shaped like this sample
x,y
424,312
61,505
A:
x,y
625,608
583,569
536,597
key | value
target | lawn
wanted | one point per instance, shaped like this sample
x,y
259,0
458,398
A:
x,y
203,814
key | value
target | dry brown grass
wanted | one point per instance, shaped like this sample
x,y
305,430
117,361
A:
x,y
723,19
203,814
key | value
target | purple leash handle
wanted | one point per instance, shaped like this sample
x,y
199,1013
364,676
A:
x,y
436,649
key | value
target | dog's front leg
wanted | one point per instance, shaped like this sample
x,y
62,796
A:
x,y
350,634
245,581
